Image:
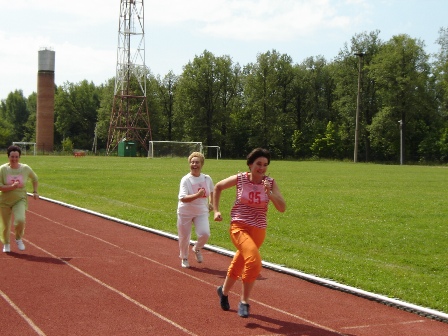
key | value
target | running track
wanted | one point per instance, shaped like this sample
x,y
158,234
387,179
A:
x,y
82,274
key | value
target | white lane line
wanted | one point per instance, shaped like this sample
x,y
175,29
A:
x,y
406,306
22,314
298,317
149,310
176,270
383,324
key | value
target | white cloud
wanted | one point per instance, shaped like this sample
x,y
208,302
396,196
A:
x,y
255,19
17,61
92,11
83,33
73,63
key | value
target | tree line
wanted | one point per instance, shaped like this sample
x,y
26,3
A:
x,y
298,111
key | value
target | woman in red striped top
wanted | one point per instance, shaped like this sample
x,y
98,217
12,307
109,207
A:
x,y
254,190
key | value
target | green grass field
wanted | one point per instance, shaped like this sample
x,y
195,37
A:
x,y
381,228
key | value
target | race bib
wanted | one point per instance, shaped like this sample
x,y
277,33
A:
x,y
254,195
198,186
10,179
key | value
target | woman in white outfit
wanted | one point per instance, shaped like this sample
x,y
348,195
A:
x,y
195,198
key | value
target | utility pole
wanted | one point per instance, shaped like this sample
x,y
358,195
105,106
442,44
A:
x,y
358,102
401,142
95,139
129,120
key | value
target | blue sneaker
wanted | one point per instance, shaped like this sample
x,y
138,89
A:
x,y
224,299
243,309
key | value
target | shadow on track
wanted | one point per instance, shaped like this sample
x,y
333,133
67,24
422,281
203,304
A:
x,y
48,260
289,328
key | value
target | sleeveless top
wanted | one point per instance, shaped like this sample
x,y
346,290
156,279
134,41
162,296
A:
x,y
251,202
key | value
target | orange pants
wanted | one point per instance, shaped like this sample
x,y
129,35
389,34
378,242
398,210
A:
x,y
247,260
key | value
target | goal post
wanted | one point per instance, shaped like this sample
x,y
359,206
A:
x,y
159,149
23,146
214,149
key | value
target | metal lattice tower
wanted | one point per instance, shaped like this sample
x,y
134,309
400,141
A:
x,y
129,120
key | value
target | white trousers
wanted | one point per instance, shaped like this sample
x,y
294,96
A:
x,y
184,225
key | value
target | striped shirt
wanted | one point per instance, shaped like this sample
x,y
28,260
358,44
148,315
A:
x,y
251,204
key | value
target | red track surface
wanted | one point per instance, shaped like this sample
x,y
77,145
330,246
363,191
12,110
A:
x,y
85,275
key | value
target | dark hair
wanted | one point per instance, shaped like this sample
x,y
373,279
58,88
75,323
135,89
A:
x,y
14,148
256,153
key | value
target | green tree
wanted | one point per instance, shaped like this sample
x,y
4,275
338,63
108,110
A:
x,y
15,113
204,93
441,86
346,71
30,125
300,139
313,89
326,146
269,100
297,143
76,108
382,131
443,144
67,146
401,70
229,114
5,133
441,72
106,97
166,95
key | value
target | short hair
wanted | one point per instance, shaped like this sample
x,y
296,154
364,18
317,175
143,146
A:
x,y
256,153
14,148
198,155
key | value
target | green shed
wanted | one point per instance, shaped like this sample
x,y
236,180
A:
x,y
127,148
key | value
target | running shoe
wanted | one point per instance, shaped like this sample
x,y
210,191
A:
x,y
197,255
7,248
20,244
224,299
243,309
185,263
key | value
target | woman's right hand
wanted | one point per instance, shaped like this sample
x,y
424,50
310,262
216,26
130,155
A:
x,y
201,193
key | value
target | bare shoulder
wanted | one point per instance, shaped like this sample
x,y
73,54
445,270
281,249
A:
x,y
227,182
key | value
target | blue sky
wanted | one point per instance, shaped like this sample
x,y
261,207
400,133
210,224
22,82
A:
x,y
84,33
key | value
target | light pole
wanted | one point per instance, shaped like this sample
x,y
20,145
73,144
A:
x,y
358,101
401,141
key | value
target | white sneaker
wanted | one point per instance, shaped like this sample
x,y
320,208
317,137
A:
x,y
197,255
185,263
20,244
7,248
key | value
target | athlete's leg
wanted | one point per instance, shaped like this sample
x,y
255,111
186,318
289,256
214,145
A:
x,y
5,224
202,228
184,224
18,211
